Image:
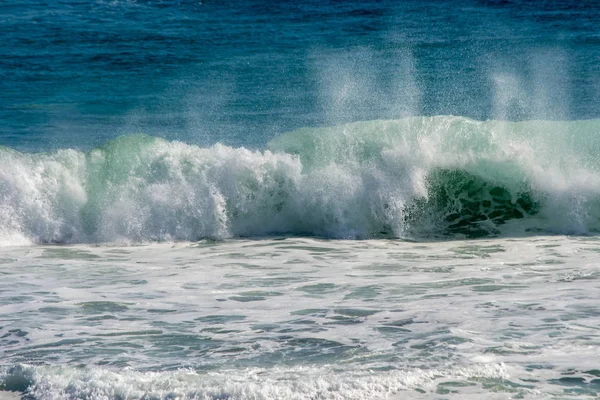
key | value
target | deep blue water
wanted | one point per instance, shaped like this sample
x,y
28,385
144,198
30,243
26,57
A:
x,y
77,73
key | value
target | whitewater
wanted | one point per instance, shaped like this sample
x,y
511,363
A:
x,y
155,269
412,178
302,318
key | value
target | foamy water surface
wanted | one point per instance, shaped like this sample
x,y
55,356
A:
x,y
301,318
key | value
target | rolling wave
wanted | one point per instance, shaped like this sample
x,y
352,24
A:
x,y
418,177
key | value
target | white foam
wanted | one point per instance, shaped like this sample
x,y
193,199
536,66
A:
x,y
352,181
298,383
519,313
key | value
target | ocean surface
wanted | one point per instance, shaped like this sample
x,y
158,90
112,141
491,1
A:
x,y
299,200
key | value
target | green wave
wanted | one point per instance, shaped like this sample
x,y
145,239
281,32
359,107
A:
x,y
420,177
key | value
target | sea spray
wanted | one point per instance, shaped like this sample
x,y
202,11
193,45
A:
x,y
411,178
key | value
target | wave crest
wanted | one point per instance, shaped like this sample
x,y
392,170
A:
x,y
414,177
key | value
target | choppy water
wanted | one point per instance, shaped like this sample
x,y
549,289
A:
x,y
315,200
303,318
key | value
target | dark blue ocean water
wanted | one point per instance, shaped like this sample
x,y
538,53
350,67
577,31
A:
x,y
76,73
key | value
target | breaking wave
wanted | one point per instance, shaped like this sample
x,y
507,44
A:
x,y
418,177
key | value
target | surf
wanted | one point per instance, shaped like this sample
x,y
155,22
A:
x,y
275,383
412,178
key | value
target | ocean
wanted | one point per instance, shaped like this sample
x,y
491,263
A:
x,y
299,200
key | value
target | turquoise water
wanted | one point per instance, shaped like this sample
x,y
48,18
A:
x,y
414,178
325,200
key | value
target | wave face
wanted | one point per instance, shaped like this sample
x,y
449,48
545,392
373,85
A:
x,y
419,177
